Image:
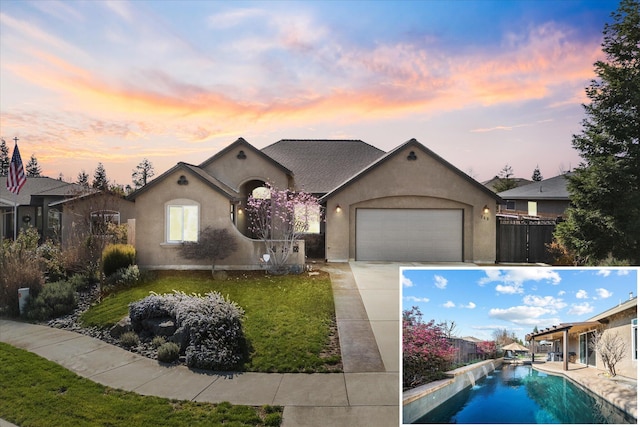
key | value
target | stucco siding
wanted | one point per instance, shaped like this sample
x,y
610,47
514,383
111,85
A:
x,y
424,183
621,324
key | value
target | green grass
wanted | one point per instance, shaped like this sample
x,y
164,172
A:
x,y
287,318
37,392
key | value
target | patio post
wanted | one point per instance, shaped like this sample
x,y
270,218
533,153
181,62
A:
x,y
565,350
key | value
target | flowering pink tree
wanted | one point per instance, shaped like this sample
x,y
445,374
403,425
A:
x,y
279,220
426,352
487,348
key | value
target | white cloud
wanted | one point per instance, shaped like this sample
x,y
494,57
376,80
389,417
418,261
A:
x,y
512,281
623,272
561,293
471,305
603,293
406,282
580,309
604,273
582,294
440,282
509,289
416,299
448,304
547,301
524,315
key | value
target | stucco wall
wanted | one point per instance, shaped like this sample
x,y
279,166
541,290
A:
x,y
155,253
422,183
621,324
234,172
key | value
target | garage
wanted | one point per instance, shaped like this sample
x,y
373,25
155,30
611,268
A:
x,y
409,235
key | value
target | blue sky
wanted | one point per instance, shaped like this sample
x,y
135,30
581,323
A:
x,y
481,83
517,299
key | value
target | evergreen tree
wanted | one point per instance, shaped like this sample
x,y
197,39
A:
x,y
605,189
83,179
33,169
100,181
537,176
4,158
142,173
505,182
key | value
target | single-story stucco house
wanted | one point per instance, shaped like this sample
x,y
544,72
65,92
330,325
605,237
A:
x,y
575,337
407,204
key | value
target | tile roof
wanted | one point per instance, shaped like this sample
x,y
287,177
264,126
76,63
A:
x,y
547,189
320,165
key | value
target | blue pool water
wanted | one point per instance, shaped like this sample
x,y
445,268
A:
x,y
517,394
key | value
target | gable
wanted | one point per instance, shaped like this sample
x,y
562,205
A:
x,y
412,167
241,161
322,165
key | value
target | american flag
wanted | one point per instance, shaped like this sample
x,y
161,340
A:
x,y
16,178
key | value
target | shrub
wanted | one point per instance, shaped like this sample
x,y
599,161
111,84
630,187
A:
x,y
426,352
115,257
158,341
56,299
273,419
21,267
212,323
80,281
129,339
123,278
51,259
168,352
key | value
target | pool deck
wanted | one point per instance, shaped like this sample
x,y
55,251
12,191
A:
x,y
621,392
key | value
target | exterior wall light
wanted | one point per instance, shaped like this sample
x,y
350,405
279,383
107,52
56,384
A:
x,y
338,209
486,210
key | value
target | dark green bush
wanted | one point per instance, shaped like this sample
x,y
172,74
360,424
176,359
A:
x,y
56,299
116,257
168,352
158,341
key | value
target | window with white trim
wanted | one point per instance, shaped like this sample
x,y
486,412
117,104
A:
x,y
182,222
307,218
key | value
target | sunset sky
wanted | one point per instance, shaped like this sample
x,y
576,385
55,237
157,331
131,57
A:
x,y
481,83
481,300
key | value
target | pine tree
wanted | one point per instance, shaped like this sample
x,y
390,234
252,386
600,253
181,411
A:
x,y
83,179
100,181
505,182
33,169
605,188
4,158
142,173
537,176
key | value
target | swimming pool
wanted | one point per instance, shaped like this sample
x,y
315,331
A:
x,y
518,394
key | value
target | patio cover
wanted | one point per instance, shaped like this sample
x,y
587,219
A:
x,y
555,332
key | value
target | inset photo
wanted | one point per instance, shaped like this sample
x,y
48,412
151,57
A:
x,y
519,345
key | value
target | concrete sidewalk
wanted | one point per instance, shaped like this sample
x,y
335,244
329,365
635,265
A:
x,y
364,395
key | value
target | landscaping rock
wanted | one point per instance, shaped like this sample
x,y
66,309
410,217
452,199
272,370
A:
x,y
163,326
124,325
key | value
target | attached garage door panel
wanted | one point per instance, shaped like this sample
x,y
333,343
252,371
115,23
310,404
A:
x,y
409,235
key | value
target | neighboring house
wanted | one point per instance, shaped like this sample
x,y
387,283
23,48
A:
x,y
546,199
574,337
93,213
405,205
34,206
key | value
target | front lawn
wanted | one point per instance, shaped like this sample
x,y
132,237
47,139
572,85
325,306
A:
x,y
37,392
288,319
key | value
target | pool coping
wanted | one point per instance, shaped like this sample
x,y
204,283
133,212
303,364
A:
x,y
605,389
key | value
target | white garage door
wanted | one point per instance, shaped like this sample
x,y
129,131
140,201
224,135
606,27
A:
x,y
409,235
